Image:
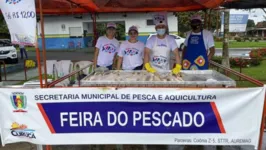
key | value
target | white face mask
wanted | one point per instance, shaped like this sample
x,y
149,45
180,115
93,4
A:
x,y
160,31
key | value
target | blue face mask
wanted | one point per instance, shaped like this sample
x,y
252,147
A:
x,y
160,31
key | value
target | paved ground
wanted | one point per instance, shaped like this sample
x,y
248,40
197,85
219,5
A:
x,y
20,76
19,146
235,52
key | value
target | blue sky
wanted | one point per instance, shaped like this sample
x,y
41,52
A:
x,y
254,14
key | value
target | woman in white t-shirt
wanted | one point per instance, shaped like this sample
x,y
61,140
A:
x,y
131,52
106,48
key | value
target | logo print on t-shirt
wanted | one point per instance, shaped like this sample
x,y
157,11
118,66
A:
x,y
194,40
162,45
131,51
109,48
159,60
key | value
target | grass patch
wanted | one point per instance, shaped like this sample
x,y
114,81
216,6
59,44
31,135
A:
x,y
247,44
257,72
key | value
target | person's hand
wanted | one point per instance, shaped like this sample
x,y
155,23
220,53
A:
x,y
149,68
177,69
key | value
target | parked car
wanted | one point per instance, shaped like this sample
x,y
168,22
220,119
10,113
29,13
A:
x,y
8,52
179,40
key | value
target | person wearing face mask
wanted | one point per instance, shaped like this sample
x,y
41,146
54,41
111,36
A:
x,y
131,52
158,49
197,44
106,48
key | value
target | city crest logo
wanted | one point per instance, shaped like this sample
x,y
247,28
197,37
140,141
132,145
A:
x,y
19,101
22,131
13,1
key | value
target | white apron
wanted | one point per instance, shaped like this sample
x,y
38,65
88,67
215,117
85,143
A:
x,y
160,57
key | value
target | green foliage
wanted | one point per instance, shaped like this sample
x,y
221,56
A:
x,y
238,39
3,26
237,62
120,31
250,23
184,20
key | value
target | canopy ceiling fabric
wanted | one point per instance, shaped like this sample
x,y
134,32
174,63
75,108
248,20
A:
x,y
245,4
101,6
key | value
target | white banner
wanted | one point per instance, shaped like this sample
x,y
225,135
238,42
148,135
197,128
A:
x,y
237,22
20,16
132,116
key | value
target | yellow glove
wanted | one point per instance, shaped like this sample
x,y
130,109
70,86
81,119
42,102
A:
x,y
149,68
177,69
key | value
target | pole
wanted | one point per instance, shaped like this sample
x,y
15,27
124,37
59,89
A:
x,y
209,19
217,23
38,58
94,29
205,18
48,147
43,43
225,60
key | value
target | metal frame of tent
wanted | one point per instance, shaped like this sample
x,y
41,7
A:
x,y
88,6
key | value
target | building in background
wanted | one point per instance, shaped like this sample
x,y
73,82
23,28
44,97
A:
x,y
258,31
68,32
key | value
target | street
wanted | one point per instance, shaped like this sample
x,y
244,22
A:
x,y
234,52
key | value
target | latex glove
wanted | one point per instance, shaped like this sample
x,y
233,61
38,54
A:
x,y
149,68
177,69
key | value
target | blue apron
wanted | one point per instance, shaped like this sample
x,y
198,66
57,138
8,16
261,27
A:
x,y
195,57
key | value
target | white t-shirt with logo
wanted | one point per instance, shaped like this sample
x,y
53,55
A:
x,y
132,54
162,42
107,50
207,38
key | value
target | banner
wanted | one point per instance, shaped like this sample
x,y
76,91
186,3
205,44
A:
x,y
132,116
20,16
237,22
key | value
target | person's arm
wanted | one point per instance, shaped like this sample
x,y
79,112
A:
x,y
146,55
211,53
114,61
96,53
178,66
185,47
177,56
211,45
119,63
183,53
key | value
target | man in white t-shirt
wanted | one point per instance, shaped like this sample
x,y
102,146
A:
x,y
197,44
158,49
131,52
106,48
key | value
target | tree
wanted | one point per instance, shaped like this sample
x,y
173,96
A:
x,y
250,23
3,26
184,19
225,61
101,30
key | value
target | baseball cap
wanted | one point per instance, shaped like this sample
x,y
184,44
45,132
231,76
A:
x,y
196,17
133,28
111,25
162,22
